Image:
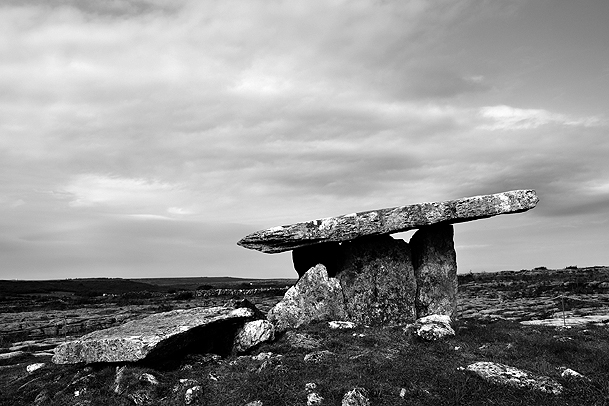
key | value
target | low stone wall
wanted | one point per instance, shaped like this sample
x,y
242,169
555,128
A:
x,y
240,292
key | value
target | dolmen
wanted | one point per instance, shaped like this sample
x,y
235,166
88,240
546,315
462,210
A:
x,y
350,267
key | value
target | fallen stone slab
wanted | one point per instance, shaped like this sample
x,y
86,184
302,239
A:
x,y
388,221
157,336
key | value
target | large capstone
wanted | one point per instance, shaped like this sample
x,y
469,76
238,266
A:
x,y
378,281
388,221
435,269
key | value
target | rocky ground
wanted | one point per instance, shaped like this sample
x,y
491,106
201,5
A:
x,y
30,327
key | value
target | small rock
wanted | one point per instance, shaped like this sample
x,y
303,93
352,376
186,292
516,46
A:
x,y
317,356
255,403
568,373
33,367
335,324
403,393
314,398
356,397
118,379
311,386
253,333
262,356
193,394
148,378
506,375
431,328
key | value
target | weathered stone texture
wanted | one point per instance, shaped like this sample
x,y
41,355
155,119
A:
x,y
502,374
431,328
155,336
388,221
315,297
435,269
377,280
252,334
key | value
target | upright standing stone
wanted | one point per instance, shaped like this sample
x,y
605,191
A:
x,y
377,280
315,297
435,269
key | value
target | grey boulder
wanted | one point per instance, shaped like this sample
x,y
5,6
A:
x,y
315,297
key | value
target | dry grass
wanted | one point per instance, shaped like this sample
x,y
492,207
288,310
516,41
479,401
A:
x,y
383,360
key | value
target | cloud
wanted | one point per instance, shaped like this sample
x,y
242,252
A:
x,y
91,190
134,113
510,118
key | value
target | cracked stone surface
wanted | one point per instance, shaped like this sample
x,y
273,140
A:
x,y
435,269
388,221
315,297
155,336
378,281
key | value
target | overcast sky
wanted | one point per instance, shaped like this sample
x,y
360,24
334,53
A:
x,y
144,138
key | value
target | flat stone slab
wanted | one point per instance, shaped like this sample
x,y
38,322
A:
x,y
388,221
158,334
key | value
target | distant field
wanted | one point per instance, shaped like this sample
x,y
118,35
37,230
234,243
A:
x,y
117,286
216,282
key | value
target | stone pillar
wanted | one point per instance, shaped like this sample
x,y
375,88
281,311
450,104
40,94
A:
x,y
377,279
435,268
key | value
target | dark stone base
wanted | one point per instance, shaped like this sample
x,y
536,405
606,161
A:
x,y
377,279
387,281
435,268
327,254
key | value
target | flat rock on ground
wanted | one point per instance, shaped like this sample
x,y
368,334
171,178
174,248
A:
x,y
156,336
388,221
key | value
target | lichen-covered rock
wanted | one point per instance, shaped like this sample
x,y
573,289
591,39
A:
x,y
193,395
253,333
388,221
314,399
315,297
154,337
506,375
377,280
316,357
435,269
431,328
356,397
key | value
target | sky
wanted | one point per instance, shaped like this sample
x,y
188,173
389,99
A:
x,y
144,138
